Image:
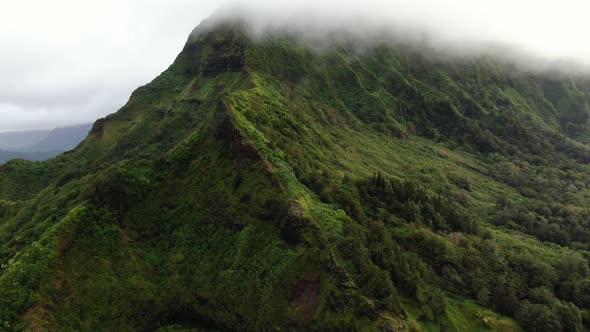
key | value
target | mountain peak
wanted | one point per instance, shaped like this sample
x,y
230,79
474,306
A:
x,y
267,185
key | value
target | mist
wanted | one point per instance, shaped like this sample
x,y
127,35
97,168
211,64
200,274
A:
x,y
66,62
535,36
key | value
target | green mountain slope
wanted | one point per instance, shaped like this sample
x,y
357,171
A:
x,y
270,186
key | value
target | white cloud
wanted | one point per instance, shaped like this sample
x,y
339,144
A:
x,y
66,61
551,29
69,61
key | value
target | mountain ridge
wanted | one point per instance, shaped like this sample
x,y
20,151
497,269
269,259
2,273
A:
x,y
43,144
257,185
16,139
60,139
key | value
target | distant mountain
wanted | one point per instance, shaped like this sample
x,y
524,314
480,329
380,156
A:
x,y
14,140
43,155
40,144
264,185
59,139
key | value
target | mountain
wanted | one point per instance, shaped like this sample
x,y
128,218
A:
x,y
262,184
60,139
14,140
41,144
9,155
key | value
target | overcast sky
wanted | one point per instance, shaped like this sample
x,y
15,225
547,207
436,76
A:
x,y
71,61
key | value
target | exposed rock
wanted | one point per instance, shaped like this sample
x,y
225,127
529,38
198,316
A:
x,y
306,297
293,225
97,129
233,136
289,219
227,56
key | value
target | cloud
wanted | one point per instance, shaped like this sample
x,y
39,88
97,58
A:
x,y
70,61
537,34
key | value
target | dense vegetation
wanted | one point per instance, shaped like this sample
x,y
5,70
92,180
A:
x,y
268,185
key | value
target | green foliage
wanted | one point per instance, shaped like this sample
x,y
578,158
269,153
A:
x,y
265,185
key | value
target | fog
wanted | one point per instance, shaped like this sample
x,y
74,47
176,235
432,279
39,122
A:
x,y
535,35
65,62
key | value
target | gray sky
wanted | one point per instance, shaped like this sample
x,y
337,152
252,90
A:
x,y
71,61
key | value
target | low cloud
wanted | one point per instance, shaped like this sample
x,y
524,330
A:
x,y
536,35
64,62
69,61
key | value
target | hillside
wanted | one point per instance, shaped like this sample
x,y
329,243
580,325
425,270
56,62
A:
x,y
267,185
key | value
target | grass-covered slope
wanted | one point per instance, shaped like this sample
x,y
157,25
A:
x,y
266,185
